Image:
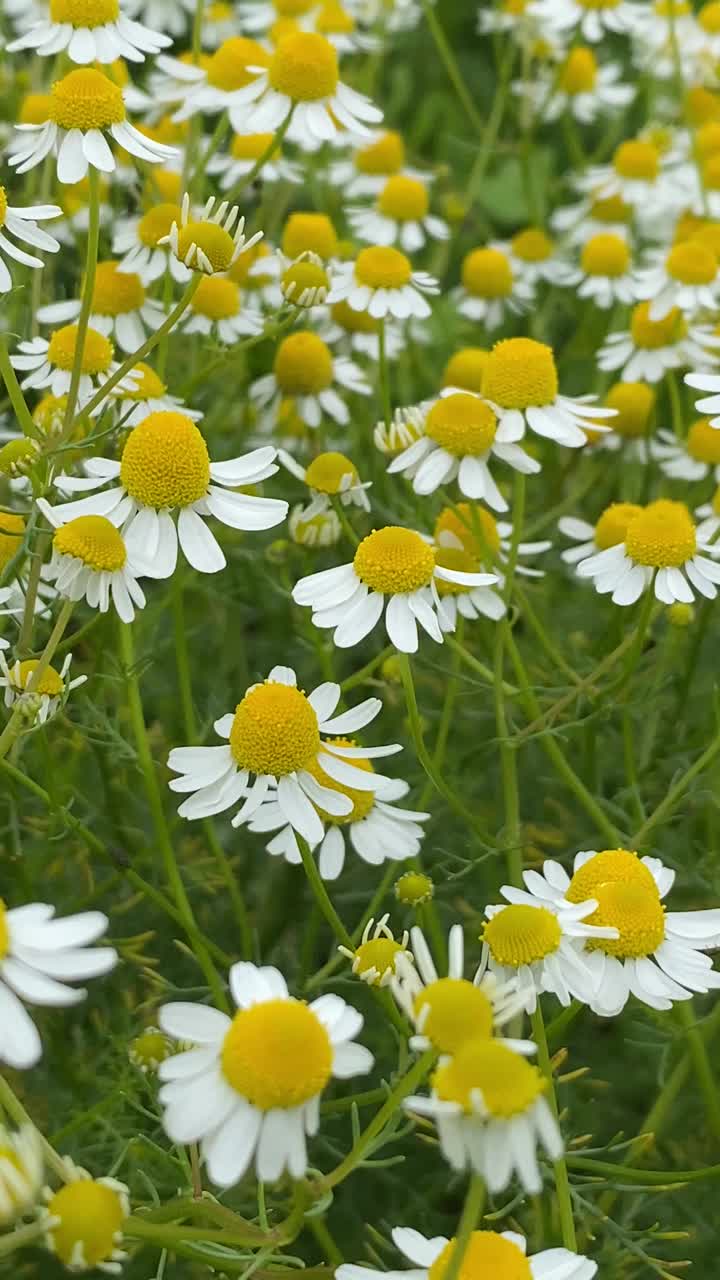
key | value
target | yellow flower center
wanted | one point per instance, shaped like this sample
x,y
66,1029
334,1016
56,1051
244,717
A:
x,y
709,17
710,177
701,105
611,529
332,19
304,67
475,527
89,1215
149,1049
579,71
508,1083
329,473
277,1054
385,155
622,866
663,535
605,255
217,298
611,209
251,146
691,263
84,13
466,368
35,108
413,889
293,8
404,199
637,160
708,233
157,222
275,730
486,273
599,4
165,462
450,1010
520,935
51,682
227,69
3,206
303,365
4,931
454,558
116,292
532,245
216,243
634,402
17,456
168,184
94,540
240,269
382,267
86,99
703,442
487,1255
12,528
147,385
519,373
309,233
97,352
353,321
707,138
394,561
636,911
651,334
362,801
301,276
379,954
462,424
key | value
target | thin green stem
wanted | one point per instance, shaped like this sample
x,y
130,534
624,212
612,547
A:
x,y
321,895
262,160
17,399
676,793
14,726
17,1113
384,376
24,644
87,296
447,57
446,715
474,664
469,1219
701,1064
676,409
562,1182
358,677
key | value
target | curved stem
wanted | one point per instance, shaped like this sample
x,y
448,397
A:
x,y
471,1215
267,154
14,390
448,60
321,895
87,297
562,1182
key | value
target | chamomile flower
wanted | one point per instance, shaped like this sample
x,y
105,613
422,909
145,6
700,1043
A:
x,y
400,215
21,224
686,279
490,288
98,31
252,1087
50,362
373,162
323,529
377,829
509,15
144,245
306,371
165,472
309,233
634,403
381,282
500,1254
306,281
84,106
664,27
92,560
585,88
52,690
709,517
245,150
38,957
147,395
605,272
329,475
659,955
592,19
207,243
693,458
646,350
520,383
636,174
214,83
149,1049
394,573
373,961
709,403
277,737
216,309
608,531
84,1222
534,258
171,16
465,368
593,215
661,551
262,16
467,537
120,307
22,1168
302,78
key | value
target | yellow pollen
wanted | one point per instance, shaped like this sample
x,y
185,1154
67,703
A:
x,y
413,889
452,1010
378,954
579,72
332,19
157,222
94,540
277,1054
652,334
116,292
165,462
216,243
86,99
275,730
701,105
612,526
691,263
303,365
385,155
304,275
84,13
304,67
309,233
662,536
634,402
703,442
520,935
227,69
711,172
486,273
531,245
12,528
611,209
3,206
488,1254
251,146
330,472
454,558
88,1214
509,1085
462,424
382,267
519,373
168,184
4,931
473,526
362,801
709,17
217,298
639,160
353,321
394,561
147,385
707,138
34,108
465,369
608,866
97,352
404,199
636,911
605,255
293,8
598,4
51,682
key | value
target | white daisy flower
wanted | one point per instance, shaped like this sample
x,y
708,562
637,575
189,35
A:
x,y
709,403
120,308
592,215
580,86
534,258
215,84
171,16
22,225
394,573
206,242
251,1088
609,530
144,246
646,350
693,458
96,32
687,278
148,395
374,959
637,173
635,403
84,106
373,163
275,738
520,383
605,272
53,689
468,538
329,475
217,310
358,332
664,26
500,1254
489,288
305,282
306,371
661,551
709,517
49,362
242,156
165,471
400,215
381,282
509,15
92,560
593,21
84,1221
659,956
259,16
38,956
22,1172
320,530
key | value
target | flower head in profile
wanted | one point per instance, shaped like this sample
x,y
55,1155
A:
x,y
208,243
329,475
92,560
22,1169
143,243
147,394
686,279
250,1090
84,1222
520,383
491,287
374,959
469,538
608,531
52,690
217,309
499,1255
21,224
694,458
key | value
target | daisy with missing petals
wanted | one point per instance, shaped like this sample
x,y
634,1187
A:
x,y
50,362
22,225
373,961
38,956
458,434
649,348
22,1172
306,281
400,215
693,458
661,551
120,308
584,88
84,1222
277,737
520,383
84,106
489,287
98,31
501,1255
687,278
216,310
214,84
52,690
205,243
165,474
594,20
394,573
608,531
306,371
709,403
381,282
251,1087
329,475
144,245
636,174
149,394
658,956
323,530
91,560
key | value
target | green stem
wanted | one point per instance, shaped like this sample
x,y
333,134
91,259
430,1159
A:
x,y
87,297
447,57
675,794
645,1177
17,1239
24,644
384,376
13,728
17,399
17,1113
446,715
486,673
321,895
676,409
469,1219
345,524
701,1064
359,677
262,160
562,1182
